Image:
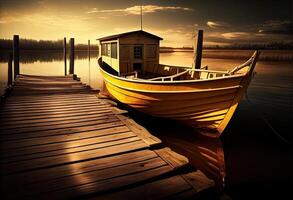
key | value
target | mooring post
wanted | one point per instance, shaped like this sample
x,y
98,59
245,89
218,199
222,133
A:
x,y
10,59
198,49
89,49
89,55
64,56
16,55
71,57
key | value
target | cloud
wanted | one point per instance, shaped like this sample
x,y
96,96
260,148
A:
x,y
235,35
277,27
214,24
135,10
4,19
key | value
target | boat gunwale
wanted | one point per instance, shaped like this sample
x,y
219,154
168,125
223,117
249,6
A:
x,y
173,81
176,91
198,70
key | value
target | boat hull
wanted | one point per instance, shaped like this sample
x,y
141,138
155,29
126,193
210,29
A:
x,y
207,105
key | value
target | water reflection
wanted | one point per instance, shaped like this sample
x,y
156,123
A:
x,y
45,56
205,154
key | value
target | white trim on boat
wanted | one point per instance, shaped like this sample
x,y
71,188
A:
x,y
174,81
174,91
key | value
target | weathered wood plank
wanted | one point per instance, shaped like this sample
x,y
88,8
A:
x,y
67,158
44,126
19,119
67,147
62,131
48,122
174,159
140,131
44,121
26,76
48,110
43,175
198,181
61,125
55,102
175,187
161,189
51,113
44,83
23,91
30,142
105,179
51,108
51,97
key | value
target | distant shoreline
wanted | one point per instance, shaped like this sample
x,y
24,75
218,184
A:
x,y
266,55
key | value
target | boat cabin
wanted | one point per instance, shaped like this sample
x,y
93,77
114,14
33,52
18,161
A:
x,y
136,51
135,55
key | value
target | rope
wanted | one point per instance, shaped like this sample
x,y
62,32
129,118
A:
x,y
261,116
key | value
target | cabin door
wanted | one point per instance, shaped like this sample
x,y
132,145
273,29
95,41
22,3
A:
x,y
137,58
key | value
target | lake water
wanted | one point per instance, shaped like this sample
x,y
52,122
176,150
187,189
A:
x,y
251,159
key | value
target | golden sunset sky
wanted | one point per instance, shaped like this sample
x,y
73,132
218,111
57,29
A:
x,y
223,22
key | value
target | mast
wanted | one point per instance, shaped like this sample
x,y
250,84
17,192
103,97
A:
x,y
140,15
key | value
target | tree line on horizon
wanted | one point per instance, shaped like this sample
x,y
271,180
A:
x,y
30,44
244,46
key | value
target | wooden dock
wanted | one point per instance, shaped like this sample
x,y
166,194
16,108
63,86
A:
x,y
60,141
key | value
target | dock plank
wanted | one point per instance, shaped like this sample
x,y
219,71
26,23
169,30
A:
x,y
175,187
51,113
96,125
57,124
45,119
38,141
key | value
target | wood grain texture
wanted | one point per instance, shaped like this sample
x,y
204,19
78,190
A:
x,y
61,146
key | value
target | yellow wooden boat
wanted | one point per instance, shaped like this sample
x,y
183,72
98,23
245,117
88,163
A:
x,y
202,98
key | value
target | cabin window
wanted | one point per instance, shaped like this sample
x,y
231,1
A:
x,y
108,51
151,51
103,46
114,50
137,52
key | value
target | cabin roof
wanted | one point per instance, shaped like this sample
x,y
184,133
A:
x,y
113,37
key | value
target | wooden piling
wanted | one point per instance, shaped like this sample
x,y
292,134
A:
x,y
16,55
64,56
89,49
71,57
89,56
10,59
198,49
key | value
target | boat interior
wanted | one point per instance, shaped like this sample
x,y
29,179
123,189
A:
x,y
177,73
